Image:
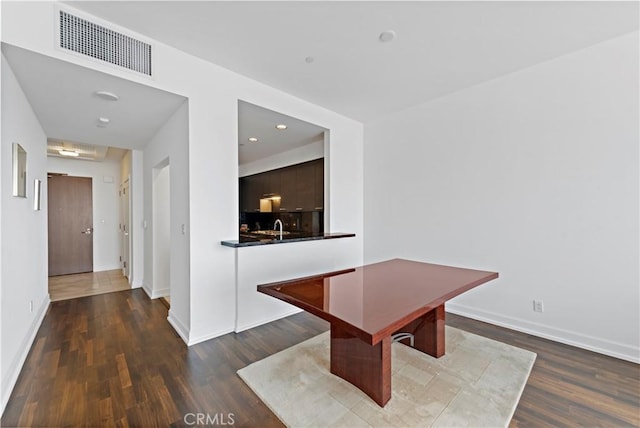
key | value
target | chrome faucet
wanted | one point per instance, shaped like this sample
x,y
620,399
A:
x,y
275,227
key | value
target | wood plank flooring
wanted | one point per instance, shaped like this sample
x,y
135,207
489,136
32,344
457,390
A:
x,y
113,360
86,284
568,386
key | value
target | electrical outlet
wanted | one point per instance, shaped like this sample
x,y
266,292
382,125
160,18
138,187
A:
x,y
30,305
538,306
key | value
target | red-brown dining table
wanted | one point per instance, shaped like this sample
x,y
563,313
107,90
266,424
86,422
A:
x,y
369,304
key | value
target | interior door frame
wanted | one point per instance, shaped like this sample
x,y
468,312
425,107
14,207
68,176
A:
x,y
124,227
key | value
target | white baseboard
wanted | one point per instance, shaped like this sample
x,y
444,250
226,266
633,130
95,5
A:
x,y
238,329
208,336
147,290
595,344
165,292
179,327
244,327
154,294
16,365
104,268
183,331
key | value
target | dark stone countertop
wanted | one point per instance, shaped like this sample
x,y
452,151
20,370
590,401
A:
x,y
249,240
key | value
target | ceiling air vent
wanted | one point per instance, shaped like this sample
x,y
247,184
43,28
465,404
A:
x,y
96,41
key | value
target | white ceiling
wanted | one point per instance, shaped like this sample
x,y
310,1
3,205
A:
x,y
258,122
63,98
85,151
441,47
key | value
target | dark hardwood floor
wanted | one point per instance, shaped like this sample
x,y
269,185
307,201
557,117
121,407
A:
x,y
568,386
113,360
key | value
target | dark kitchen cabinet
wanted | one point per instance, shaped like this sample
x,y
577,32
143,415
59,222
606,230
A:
x,y
300,187
305,187
270,183
297,187
318,185
251,189
288,189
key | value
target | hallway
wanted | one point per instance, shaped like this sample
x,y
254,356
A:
x,y
86,284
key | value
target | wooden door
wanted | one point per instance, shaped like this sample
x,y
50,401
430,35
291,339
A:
x,y
70,225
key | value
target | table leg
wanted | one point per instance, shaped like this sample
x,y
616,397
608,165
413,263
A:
x,y
365,366
428,332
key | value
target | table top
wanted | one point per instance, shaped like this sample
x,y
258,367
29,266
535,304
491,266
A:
x,y
374,301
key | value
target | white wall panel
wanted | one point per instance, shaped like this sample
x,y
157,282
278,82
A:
x,y
533,175
24,264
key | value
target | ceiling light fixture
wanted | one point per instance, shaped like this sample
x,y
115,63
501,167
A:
x,y
387,36
281,126
103,122
253,139
106,95
70,153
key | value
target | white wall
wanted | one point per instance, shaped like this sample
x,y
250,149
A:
x,y
106,206
533,175
211,177
125,167
4,390
136,214
131,167
161,231
270,263
170,146
24,234
305,153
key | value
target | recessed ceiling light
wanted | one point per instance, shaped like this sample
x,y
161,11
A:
x,y
281,126
106,95
71,153
103,122
253,139
387,36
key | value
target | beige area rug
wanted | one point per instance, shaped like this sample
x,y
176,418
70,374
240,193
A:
x,y
477,383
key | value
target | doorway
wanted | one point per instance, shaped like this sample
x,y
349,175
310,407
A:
x,y
162,230
70,222
125,238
